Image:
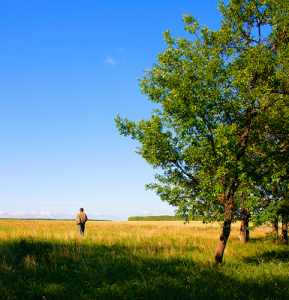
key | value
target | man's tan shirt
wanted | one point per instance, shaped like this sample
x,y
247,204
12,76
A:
x,y
81,218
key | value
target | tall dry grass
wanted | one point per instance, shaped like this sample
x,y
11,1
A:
x,y
131,260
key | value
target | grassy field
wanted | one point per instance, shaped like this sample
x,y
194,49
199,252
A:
x,y
137,260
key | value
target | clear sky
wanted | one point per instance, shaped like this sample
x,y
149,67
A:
x,y
67,68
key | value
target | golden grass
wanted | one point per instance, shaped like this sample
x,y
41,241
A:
x,y
137,260
168,237
117,231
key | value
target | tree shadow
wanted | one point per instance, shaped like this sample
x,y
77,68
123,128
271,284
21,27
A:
x,y
257,240
269,256
43,270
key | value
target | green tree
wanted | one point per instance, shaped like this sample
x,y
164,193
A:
x,y
273,204
215,96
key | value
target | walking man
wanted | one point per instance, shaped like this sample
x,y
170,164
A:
x,y
80,221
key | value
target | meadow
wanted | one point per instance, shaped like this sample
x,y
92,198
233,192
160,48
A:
x,y
137,260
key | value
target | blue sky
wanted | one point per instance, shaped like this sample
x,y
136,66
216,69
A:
x,y
67,69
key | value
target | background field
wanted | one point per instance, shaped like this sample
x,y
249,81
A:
x,y
137,260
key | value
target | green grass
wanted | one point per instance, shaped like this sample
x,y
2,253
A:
x,y
137,260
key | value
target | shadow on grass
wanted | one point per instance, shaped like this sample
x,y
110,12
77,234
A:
x,y
269,256
42,270
257,240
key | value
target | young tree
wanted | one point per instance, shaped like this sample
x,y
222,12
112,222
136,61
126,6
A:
x,y
215,95
274,206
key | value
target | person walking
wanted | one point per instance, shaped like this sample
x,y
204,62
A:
x,y
80,221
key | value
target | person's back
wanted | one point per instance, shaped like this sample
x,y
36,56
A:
x,y
81,218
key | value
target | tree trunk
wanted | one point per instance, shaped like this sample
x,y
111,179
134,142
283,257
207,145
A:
x,y
244,232
275,229
222,242
284,230
247,232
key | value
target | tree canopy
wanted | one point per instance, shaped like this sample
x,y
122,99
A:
x,y
222,116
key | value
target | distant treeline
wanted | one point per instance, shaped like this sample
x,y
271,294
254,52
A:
x,y
162,218
40,219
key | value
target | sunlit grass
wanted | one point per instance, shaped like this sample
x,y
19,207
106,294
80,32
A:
x,y
137,260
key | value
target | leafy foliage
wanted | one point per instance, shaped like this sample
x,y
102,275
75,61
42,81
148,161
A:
x,y
222,115
222,118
